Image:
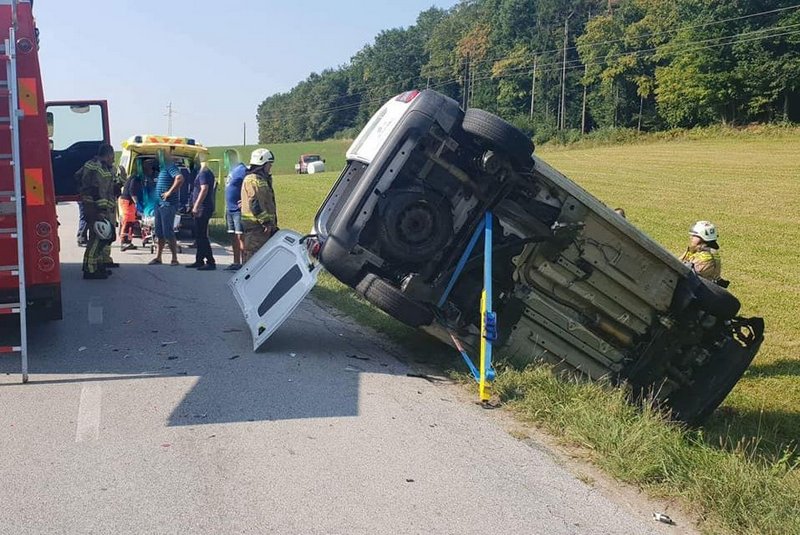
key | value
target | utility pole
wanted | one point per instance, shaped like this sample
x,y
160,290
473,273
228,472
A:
x,y
467,76
169,114
641,107
533,86
563,109
244,134
583,108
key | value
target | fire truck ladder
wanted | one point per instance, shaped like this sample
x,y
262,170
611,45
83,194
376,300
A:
x,y
11,201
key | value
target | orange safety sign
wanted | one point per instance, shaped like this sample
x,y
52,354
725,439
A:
x,y
34,187
28,97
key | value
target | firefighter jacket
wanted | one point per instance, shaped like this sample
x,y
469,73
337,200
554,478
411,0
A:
x,y
258,198
706,262
96,184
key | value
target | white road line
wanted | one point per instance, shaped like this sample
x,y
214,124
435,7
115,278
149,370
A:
x,y
88,425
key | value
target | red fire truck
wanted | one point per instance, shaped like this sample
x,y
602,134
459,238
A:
x,y
42,145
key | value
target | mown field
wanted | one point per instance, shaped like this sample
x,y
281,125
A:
x,y
748,185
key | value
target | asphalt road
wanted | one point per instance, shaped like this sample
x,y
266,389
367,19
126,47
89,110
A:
x,y
148,412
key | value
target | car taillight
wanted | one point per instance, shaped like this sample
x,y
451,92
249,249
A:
x,y
408,96
313,246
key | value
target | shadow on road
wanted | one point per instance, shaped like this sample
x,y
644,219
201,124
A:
x,y
153,323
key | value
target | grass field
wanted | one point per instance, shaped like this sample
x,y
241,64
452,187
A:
x,y
748,185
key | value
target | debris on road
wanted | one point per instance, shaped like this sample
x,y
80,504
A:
x,y
429,378
172,357
664,519
233,357
232,331
409,480
171,342
357,357
353,369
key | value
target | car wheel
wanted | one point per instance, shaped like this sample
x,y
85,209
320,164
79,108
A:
x,y
391,300
499,135
716,300
415,226
693,405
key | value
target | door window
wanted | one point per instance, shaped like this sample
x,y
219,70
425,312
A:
x,y
74,123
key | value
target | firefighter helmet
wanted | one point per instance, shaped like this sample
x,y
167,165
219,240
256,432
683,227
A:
x,y
104,229
705,230
261,157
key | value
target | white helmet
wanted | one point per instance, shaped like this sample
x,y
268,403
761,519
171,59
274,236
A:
x,y
705,230
104,229
260,157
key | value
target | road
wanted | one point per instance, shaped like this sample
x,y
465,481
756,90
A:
x,y
148,412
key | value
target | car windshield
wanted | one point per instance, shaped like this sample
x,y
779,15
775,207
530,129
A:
x,y
313,158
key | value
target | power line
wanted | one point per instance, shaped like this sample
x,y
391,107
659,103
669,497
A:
x,y
573,64
428,75
636,53
652,34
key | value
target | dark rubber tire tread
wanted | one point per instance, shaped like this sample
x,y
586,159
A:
x,y
500,135
391,300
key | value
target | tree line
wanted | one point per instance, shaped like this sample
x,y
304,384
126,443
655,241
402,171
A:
x,y
557,66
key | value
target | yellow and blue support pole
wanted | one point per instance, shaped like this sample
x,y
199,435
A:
x,y
485,373
488,317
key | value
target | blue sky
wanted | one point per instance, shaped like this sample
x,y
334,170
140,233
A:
x,y
215,61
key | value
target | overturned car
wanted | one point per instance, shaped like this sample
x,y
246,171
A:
x,y
574,283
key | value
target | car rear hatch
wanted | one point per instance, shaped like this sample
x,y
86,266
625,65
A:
x,y
273,283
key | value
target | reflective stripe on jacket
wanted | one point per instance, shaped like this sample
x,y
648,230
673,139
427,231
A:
x,y
96,185
706,262
258,199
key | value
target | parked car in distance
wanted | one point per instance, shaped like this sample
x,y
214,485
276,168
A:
x,y
309,163
575,284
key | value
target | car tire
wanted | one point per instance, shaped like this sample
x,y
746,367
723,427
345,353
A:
x,y
499,135
391,300
415,226
716,300
695,404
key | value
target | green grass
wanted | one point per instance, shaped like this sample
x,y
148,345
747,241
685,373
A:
x,y
737,472
749,187
732,491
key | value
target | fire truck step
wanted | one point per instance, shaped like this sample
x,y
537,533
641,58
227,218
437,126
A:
x,y
9,308
10,349
8,209
14,270
10,232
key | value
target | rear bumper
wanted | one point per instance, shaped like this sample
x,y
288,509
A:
x,y
341,234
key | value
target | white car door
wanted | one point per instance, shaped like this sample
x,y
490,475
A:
x,y
271,285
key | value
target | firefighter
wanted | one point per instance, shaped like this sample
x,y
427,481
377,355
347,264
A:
x,y
703,251
259,215
96,180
